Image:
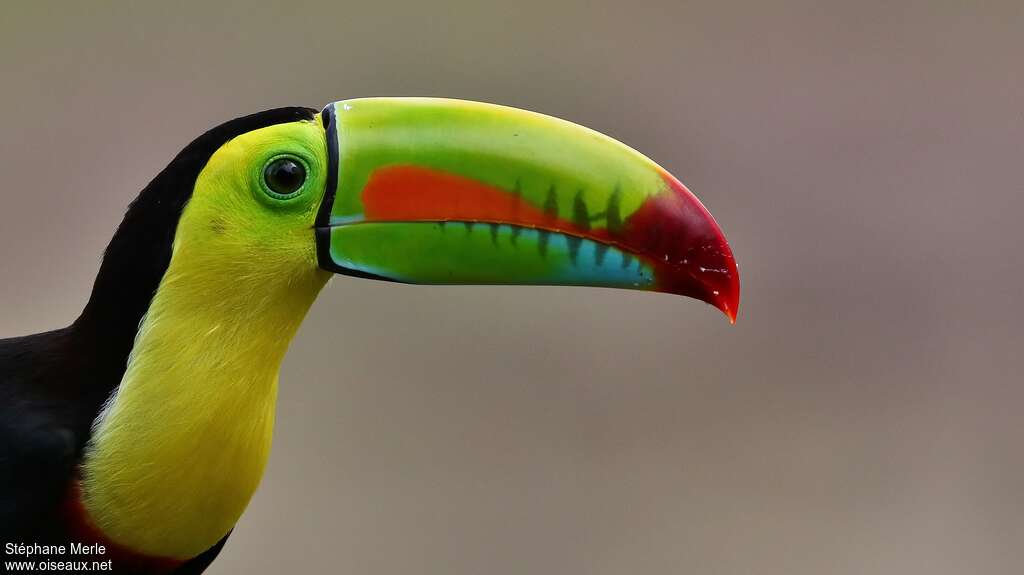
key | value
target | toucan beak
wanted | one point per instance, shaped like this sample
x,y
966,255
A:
x,y
437,191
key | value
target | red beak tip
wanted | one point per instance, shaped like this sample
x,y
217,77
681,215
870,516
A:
x,y
729,308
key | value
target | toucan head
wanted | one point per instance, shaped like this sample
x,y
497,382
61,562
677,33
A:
x,y
221,256
438,191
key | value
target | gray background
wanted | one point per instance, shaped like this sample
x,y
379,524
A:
x,y
864,159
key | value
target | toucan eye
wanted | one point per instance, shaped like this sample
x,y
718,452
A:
x,y
284,176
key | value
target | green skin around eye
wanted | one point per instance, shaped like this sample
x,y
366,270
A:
x,y
301,141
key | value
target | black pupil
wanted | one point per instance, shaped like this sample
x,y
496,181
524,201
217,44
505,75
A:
x,y
284,176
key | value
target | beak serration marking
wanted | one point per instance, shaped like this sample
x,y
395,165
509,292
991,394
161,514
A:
x,y
551,203
580,216
543,240
612,212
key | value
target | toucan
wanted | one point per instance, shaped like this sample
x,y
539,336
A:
x,y
136,436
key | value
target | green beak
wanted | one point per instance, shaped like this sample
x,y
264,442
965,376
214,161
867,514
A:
x,y
437,191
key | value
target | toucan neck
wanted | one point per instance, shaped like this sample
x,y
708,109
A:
x,y
180,448
191,352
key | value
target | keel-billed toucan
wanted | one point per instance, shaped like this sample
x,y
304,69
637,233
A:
x,y
145,425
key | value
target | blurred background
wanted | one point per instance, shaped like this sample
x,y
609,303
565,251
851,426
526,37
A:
x,y
864,159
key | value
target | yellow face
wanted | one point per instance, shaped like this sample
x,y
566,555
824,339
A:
x,y
254,204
